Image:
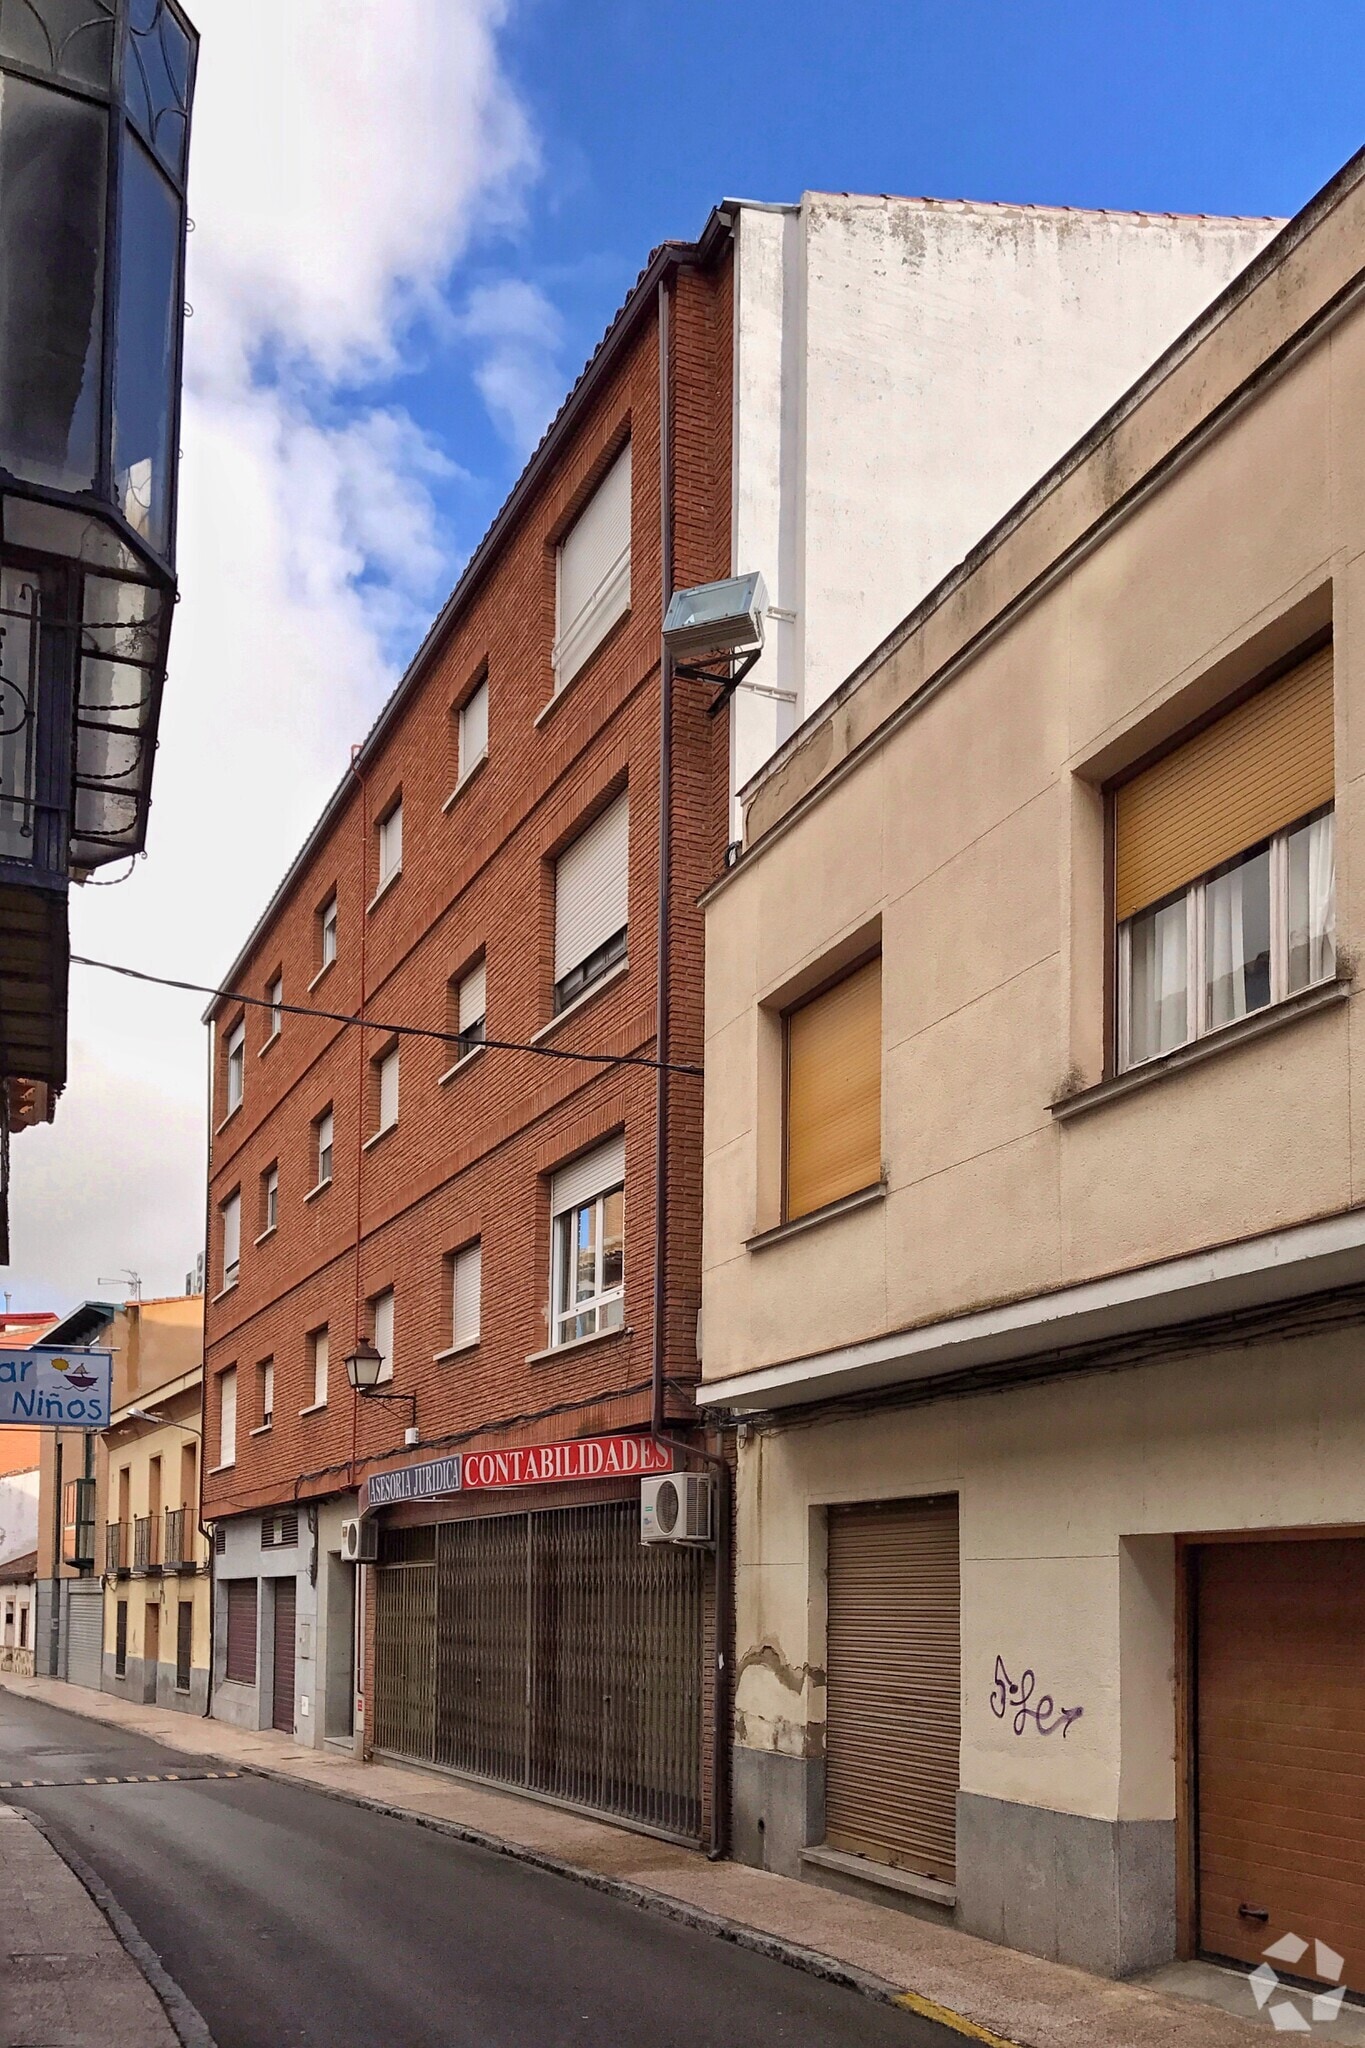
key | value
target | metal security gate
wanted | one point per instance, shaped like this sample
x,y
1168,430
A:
x,y
85,1633
282,1667
553,1651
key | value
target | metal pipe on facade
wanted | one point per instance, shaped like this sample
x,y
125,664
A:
x,y
720,1715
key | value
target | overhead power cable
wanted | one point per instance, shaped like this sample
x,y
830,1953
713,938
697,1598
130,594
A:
x,y
548,1052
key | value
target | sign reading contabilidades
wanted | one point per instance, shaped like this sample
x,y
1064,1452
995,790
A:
x,y
583,1457
50,1389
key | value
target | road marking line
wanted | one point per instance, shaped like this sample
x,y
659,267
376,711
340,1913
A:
x,y
109,1781
930,2009
89,1781
26,1784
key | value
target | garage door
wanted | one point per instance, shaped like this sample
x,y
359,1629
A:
x,y
1280,1733
894,1657
85,1633
282,1685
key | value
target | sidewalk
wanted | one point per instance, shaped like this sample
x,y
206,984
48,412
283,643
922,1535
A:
x,y
982,1991
66,1980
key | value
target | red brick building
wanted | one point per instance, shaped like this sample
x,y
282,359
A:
x,y
491,866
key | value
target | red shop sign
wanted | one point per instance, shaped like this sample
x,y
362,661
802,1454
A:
x,y
587,1457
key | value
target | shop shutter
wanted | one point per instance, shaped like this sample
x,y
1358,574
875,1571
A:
x,y
282,1674
85,1633
594,571
1264,765
894,1677
474,996
466,1284
590,1174
1280,1744
241,1631
591,887
834,1092
473,729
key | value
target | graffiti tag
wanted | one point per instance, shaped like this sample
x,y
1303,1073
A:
x,y
1046,1716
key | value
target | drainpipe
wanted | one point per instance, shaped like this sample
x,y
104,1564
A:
x,y
359,1729
204,1404
724,1618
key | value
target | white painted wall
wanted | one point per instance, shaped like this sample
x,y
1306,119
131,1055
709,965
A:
x,y
905,369
18,1514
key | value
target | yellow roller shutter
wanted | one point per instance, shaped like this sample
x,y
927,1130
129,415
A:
x,y
1252,773
834,1092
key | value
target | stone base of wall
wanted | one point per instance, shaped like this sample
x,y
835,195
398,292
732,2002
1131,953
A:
x,y
777,1806
238,1705
137,1681
1099,1894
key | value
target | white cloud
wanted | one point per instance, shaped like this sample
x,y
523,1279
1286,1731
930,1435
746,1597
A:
x,y
517,334
344,157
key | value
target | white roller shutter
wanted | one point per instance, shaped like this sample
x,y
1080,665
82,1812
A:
x,y
232,1237
590,1175
594,571
467,1278
383,1332
227,1416
474,995
473,729
388,1089
591,887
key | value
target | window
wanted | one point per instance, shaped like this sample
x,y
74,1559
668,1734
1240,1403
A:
x,y
322,1148
231,1213
274,995
386,1089
184,1643
1225,871
327,933
390,844
587,1280
280,1531
472,721
265,1378
236,1064
381,1313
591,894
227,1416
270,1198
471,1002
241,1632
833,1107
466,1280
593,572
317,1344
121,1639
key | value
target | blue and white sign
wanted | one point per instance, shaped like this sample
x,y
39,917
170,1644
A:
x,y
55,1389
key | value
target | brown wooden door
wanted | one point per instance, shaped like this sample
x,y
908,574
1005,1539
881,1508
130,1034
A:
x,y
893,1728
283,1681
1280,1755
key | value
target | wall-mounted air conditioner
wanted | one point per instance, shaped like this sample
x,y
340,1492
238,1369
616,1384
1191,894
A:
x,y
676,1509
359,1542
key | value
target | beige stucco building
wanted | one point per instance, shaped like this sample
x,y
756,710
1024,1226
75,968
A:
x,y
1034,1271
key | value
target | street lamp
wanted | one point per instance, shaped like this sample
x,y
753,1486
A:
x,y
364,1365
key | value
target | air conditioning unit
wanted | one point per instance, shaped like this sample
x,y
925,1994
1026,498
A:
x,y
676,1509
359,1542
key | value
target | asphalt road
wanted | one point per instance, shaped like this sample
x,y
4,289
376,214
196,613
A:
x,y
290,1918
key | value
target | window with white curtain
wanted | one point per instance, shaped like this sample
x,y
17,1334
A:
x,y
266,1371
270,1199
227,1416
318,1345
274,995
386,1083
591,902
231,1213
466,1282
390,843
236,1064
381,1310
593,572
587,1276
1254,931
473,724
323,1131
327,933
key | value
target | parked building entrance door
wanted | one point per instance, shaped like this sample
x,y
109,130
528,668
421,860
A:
x,y
1280,1751
282,1684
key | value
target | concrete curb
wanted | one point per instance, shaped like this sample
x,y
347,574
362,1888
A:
x,y
776,1947
191,2028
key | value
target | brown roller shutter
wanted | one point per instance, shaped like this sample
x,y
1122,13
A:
x,y
1280,1735
241,1631
1260,768
282,1675
834,1092
894,1675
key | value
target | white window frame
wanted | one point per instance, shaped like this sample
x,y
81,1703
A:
x,y
473,1012
580,964
227,1417
466,1281
470,718
390,836
232,1207
386,1073
267,1393
319,1347
327,933
599,1176
270,1181
579,637
236,1065
324,1150
1197,1024
382,1325
274,995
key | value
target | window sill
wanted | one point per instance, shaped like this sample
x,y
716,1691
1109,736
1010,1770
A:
x,y
230,1466
324,970
263,1429
866,1871
320,1189
223,1293
265,1234
581,1001
464,781
579,1344
455,1350
313,1408
273,1040
1198,1050
384,887
466,1059
845,1205
376,1136
235,1110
